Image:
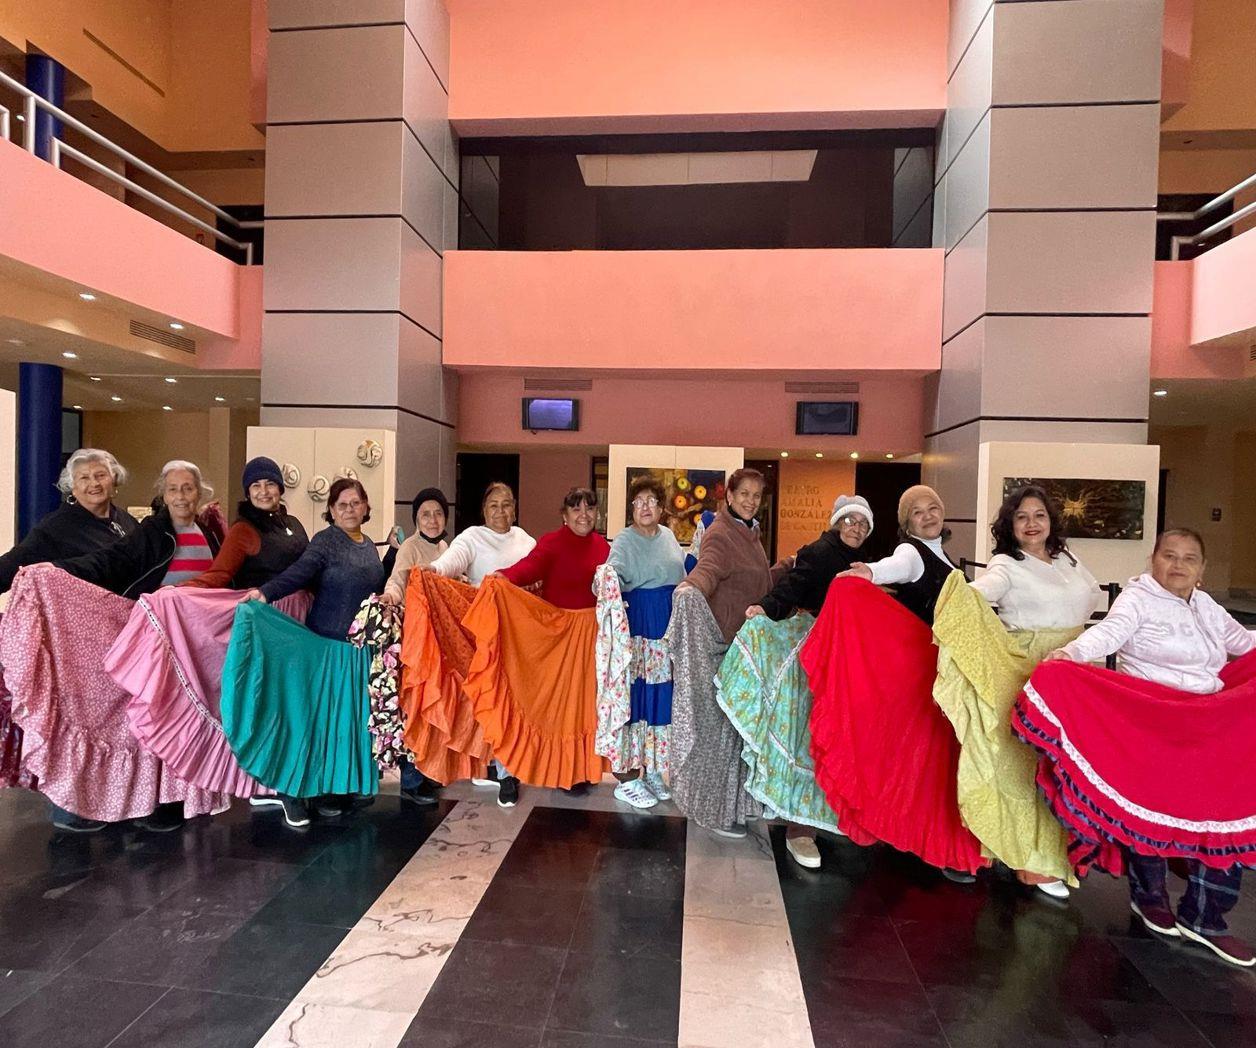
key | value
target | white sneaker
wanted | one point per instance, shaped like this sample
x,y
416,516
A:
x,y
270,801
655,784
735,834
635,792
1055,889
803,851
484,782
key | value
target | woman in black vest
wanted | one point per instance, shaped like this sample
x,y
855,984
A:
x,y
263,541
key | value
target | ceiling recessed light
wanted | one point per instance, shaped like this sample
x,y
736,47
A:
x,y
116,399
175,326
70,355
94,378
21,117
78,407
889,456
854,454
166,407
784,454
87,296
819,454
172,380
1160,393
221,400
15,342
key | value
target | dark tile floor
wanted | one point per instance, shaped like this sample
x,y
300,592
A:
x,y
576,942
198,937
890,953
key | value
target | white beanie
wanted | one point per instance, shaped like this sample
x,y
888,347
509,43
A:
x,y
847,504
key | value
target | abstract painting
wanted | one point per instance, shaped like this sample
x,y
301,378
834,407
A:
x,y
1093,509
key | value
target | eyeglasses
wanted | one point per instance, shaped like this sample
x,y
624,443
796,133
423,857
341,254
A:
x,y
646,501
855,522
346,507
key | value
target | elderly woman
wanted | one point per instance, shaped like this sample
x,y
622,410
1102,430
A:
x,y
480,551
167,548
564,560
732,574
767,658
265,539
1164,628
429,541
648,562
1043,596
87,521
341,566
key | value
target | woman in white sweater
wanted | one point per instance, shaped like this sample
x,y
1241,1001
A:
x,y
1164,628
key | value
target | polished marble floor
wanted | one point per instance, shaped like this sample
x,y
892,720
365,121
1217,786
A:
x,y
563,923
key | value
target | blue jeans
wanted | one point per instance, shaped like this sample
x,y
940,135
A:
x,y
411,777
1210,893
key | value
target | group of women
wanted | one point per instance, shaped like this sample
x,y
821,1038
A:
x,y
960,721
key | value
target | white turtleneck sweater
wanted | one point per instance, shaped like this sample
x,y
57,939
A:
x,y
480,551
905,565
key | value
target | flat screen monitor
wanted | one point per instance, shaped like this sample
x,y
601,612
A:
x,y
541,413
827,418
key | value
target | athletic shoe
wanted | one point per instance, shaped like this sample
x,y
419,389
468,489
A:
x,y
484,782
1157,919
72,823
1230,948
165,818
736,833
958,876
803,851
508,792
636,793
295,813
1054,889
655,784
273,801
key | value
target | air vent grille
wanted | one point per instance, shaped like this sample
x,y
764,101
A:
x,y
821,387
550,385
1251,353
166,338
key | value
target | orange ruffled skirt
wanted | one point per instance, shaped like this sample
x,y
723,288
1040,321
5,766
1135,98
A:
x,y
441,731
533,683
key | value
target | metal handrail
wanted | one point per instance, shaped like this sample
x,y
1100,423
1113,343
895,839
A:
x,y
33,102
1177,242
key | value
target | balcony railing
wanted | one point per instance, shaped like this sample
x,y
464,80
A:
x,y
33,104
1204,235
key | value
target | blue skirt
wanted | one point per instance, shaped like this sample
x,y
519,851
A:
x,y
649,611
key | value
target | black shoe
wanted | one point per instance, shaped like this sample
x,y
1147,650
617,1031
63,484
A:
x,y
71,823
508,792
579,789
358,801
165,818
958,876
420,796
330,806
295,813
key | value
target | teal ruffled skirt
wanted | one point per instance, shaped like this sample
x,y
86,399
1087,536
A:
x,y
295,706
763,691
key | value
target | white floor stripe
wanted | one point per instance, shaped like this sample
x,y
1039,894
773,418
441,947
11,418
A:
x,y
739,981
369,990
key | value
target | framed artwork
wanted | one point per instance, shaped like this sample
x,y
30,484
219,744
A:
x,y
689,493
1093,509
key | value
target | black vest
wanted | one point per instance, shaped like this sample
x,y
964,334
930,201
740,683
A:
x,y
921,597
279,550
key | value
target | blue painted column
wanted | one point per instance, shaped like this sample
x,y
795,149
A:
x,y
38,443
47,79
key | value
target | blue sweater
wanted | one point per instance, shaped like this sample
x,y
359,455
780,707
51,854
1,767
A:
x,y
343,573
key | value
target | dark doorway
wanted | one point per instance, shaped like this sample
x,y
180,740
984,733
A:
x,y
475,472
1162,500
881,483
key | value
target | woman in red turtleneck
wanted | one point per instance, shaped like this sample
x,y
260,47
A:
x,y
564,560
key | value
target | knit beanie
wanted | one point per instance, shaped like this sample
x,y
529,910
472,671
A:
x,y
261,468
429,495
916,491
848,504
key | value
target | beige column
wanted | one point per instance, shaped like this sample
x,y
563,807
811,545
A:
x,y
1045,206
361,203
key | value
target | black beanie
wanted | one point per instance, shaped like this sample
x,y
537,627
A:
x,y
429,495
261,468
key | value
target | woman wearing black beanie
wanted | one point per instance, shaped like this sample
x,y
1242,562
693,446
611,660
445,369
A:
x,y
429,541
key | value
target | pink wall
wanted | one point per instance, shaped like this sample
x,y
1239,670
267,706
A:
x,y
1204,299
806,309
1175,66
545,475
581,66
714,408
54,223
243,353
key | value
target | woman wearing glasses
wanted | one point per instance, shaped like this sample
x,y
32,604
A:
x,y
649,564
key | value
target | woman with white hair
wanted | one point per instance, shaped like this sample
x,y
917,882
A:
x,y
166,548
85,522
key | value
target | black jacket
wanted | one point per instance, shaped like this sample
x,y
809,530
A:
x,y
136,565
806,583
68,531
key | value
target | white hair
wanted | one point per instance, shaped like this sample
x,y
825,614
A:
x,y
206,490
65,482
